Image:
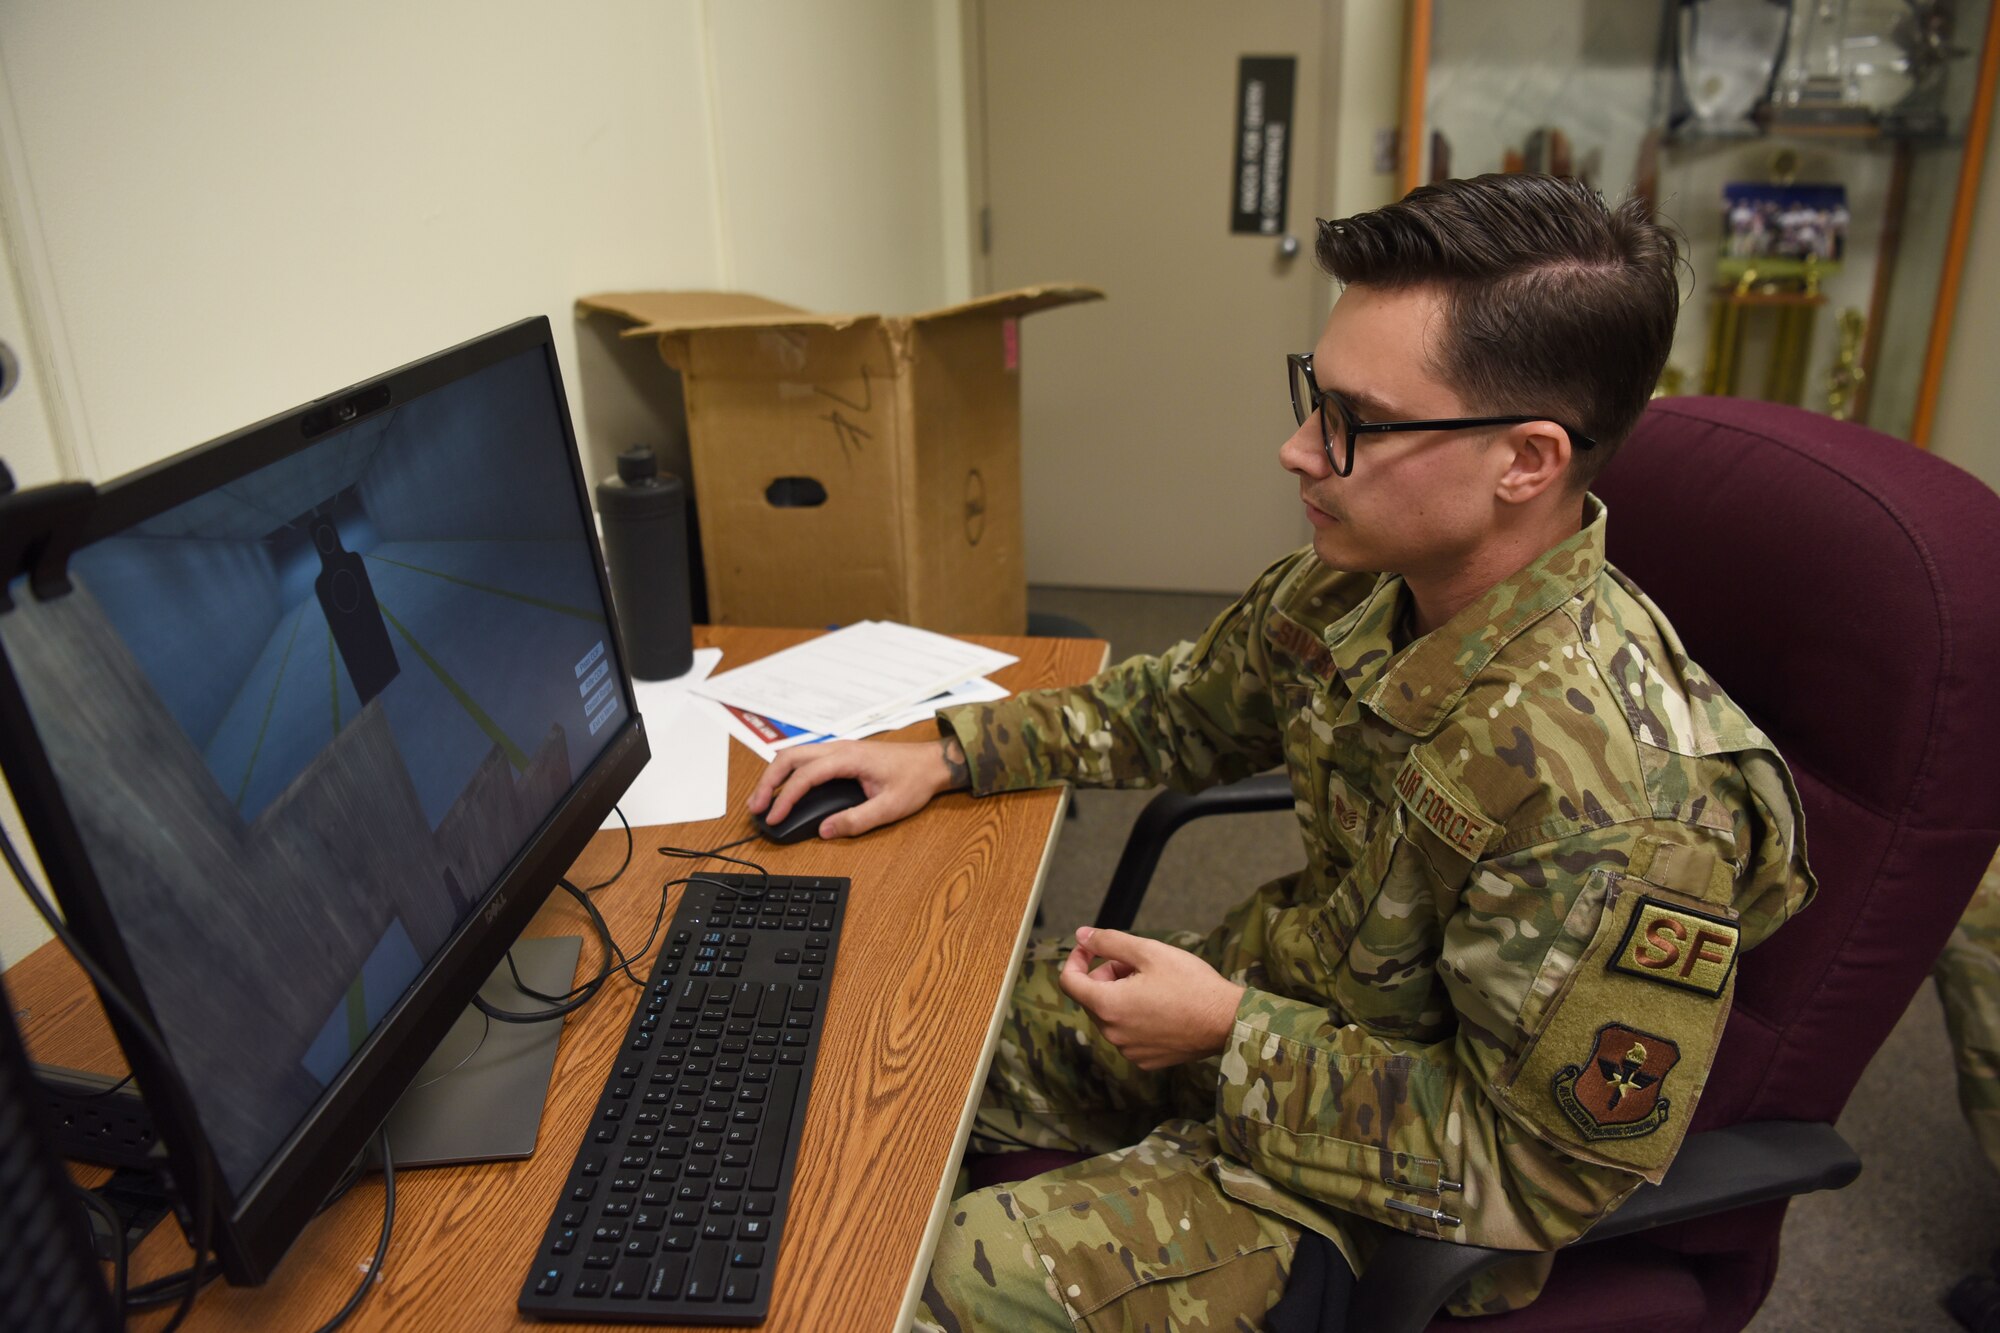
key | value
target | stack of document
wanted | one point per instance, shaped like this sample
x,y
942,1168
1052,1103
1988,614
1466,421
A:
x,y
860,680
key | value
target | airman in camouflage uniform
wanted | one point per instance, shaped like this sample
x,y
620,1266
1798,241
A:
x,y
1537,838
1537,841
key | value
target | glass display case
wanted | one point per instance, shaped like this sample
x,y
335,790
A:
x,y
1814,154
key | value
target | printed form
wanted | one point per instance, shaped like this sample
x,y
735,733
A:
x,y
857,675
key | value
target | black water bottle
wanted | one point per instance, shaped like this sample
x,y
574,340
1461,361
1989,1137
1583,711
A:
x,y
646,552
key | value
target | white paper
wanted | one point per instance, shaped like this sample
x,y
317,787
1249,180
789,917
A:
x,y
853,677
687,779
976,691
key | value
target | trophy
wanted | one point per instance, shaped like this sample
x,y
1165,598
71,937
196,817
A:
x,y
1923,33
1728,50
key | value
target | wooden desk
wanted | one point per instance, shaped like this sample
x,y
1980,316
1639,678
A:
x,y
934,931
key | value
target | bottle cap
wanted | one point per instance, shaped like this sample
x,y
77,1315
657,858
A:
x,y
637,466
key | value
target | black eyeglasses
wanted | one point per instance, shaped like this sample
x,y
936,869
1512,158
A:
x,y
1338,428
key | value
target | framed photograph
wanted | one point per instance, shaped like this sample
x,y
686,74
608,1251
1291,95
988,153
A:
x,y
1777,229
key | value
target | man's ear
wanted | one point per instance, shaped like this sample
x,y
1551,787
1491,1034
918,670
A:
x,y
1538,458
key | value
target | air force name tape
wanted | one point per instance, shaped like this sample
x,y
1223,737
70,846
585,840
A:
x,y
1443,810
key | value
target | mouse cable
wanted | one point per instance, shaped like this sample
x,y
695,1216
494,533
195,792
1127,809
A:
x,y
202,1205
660,916
368,1279
660,911
575,999
689,854
624,865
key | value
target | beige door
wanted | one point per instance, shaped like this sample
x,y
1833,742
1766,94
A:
x,y
1150,421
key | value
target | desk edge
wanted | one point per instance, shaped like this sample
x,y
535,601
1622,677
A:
x,y
920,1270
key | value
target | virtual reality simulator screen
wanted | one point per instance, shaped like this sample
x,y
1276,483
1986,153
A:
x,y
304,720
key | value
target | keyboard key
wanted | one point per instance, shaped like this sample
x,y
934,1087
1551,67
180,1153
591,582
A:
x,y
747,1256
705,1277
771,1152
590,1285
741,1288
630,1280
668,1274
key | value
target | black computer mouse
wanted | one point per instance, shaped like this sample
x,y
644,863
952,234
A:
x,y
803,820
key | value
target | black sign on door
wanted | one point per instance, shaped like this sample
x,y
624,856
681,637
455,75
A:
x,y
1263,175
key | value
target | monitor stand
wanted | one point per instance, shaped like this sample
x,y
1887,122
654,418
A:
x,y
479,1097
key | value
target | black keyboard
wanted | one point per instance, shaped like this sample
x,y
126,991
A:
x,y
674,1205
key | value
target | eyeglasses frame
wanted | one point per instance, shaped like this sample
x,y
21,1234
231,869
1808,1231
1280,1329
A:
x,y
1303,363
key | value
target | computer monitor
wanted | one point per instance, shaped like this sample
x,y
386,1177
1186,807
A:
x,y
305,728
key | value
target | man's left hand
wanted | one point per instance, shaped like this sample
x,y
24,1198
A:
x,y
1159,1005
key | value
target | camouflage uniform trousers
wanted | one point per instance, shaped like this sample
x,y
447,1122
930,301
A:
x,y
1968,982
1140,1236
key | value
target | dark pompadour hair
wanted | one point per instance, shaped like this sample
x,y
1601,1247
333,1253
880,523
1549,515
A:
x,y
1556,303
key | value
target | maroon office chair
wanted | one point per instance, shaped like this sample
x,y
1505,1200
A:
x,y
1839,584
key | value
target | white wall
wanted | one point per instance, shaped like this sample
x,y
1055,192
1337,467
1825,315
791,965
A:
x,y
217,211
1969,397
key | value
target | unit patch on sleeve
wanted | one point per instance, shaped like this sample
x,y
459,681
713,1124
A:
x,y
1617,1093
1677,947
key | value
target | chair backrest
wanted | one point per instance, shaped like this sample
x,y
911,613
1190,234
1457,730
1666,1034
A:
x,y
1844,588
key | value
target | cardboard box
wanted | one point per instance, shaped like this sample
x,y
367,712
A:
x,y
849,467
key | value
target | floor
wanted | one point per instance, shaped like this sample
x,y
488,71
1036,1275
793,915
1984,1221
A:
x,y
1876,1256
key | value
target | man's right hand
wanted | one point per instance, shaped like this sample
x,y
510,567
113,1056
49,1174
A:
x,y
899,778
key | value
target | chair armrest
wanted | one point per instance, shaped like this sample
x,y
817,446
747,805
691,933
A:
x,y
1717,1171
1157,822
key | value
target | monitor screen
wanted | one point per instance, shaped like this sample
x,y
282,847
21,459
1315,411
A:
x,y
315,692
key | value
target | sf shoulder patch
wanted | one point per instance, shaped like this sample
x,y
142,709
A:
x,y
1619,1091
1677,947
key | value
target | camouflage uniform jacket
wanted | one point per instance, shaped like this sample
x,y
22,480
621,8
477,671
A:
x,y
1536,841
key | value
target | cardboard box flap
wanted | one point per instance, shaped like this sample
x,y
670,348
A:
x,y
655,313
1020,301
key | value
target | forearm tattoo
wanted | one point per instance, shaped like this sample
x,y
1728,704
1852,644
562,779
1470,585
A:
x,y
954,762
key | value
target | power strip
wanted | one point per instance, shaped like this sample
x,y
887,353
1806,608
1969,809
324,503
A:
x,y
90,1123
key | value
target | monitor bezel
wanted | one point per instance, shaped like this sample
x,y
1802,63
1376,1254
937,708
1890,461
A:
x,y
254,1227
